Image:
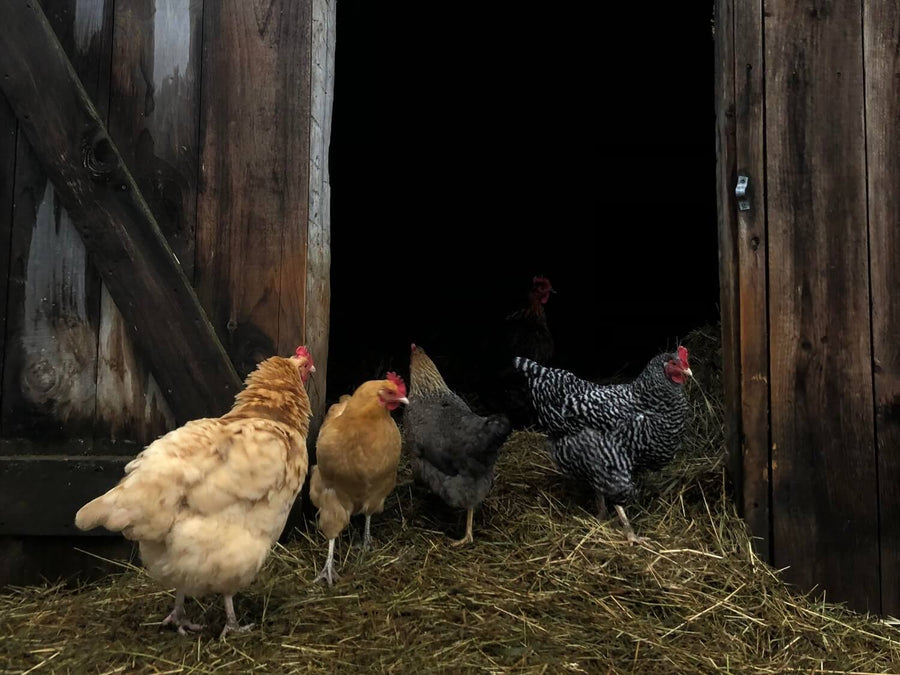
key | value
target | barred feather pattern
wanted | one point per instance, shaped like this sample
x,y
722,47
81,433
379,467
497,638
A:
x,y
604,434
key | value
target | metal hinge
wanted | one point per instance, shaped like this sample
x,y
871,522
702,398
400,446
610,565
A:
x,y
741,191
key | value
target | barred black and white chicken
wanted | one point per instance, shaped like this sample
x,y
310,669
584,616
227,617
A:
x,y
452,450
606,434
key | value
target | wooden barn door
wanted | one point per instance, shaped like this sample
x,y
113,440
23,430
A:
x,y
809,160
164,225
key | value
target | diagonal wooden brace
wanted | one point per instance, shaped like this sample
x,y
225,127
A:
x,y
130,252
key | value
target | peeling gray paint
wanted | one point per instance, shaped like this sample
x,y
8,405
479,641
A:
x,y
58,343
88,22
172,40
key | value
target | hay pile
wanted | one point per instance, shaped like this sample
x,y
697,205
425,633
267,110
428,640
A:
x,y
545,588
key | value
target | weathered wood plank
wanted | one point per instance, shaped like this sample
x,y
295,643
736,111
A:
x,y
8,130
130,403
54,295
26,561
142,273
824,489
60,485
882,65
751,244
154,108
74,447
729,271
51,366
253,204
318,245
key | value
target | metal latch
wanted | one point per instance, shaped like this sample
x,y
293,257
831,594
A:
x,y
741,191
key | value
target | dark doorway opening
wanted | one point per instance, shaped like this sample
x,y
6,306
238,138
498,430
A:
x,y
472,150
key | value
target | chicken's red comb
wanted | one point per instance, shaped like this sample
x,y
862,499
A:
x,y
683,355
398,381
303,353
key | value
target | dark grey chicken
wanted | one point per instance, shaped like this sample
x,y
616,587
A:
x,y
452,450
606,434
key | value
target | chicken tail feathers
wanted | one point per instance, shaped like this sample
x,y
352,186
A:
x,y
527,366
523,363
105,511
499,428
333,515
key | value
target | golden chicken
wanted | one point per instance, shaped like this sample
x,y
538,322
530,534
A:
x,y
357,453
208,500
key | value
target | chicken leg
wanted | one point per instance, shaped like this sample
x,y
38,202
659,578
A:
x,y
602,512
328,573
231,623
468,539
178,617
367,535
629,533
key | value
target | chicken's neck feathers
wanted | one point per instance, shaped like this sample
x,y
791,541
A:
x,y
425,379
653,387
274,391
364,403
532,312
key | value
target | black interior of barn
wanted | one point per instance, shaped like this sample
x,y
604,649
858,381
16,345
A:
x,y
473,149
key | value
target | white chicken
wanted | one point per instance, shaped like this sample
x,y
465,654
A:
x,y
207,501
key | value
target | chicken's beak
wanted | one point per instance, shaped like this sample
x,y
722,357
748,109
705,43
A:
x,y
687,371
312,369
403,400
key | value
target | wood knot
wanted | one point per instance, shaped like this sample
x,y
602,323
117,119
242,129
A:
x,y
99,157
39,380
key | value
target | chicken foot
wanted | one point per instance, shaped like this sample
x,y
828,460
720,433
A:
x,y
178,617
231,622
468,539
328,573
629,532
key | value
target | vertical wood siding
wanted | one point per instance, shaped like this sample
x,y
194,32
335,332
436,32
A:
x,y
824,489
153,119
222,114
8,132
723,27
752,250
52,313
318,248
816,93
881,37
254,176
